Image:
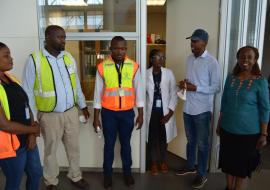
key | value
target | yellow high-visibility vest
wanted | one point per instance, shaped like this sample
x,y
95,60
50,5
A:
x,y
118,97
44,87
9,143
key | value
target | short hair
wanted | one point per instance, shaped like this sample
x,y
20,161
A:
x,y
50,29
118,39
152,53
255,69
2,45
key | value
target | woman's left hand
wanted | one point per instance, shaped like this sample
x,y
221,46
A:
x,y
166,117
31,142
261,142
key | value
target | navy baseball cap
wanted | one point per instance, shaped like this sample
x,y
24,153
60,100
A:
x,y
199,34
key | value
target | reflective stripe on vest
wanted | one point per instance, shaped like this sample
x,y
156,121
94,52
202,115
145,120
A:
x,y
44,87
113,94
9,143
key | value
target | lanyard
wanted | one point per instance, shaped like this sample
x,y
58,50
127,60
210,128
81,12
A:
x,y
157,89
119,71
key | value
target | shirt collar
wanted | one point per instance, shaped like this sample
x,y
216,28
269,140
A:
x,y
47,54
205,53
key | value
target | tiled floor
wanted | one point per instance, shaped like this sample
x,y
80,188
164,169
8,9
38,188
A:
x,y
145,181
259,181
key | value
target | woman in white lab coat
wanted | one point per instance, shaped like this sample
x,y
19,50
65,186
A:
x,y
161,101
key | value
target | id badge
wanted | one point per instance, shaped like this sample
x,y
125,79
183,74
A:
x,y
158,103
121,92
27,113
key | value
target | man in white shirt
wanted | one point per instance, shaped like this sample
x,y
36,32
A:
x,y
51,82
117,91
201,83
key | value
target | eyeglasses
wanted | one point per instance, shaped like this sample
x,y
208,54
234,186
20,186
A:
x,y
159,57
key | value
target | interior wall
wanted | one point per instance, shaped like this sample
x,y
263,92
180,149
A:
x,y
266,48
156,24
183,17
20,32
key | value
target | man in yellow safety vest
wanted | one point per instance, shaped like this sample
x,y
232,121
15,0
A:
x,y
53,87
116,93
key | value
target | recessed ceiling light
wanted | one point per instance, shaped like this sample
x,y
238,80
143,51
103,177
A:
x,y
156,2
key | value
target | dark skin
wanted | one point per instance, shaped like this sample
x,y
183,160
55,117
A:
x,y
158,61
246,61
197,48
55,43
118,54
6,64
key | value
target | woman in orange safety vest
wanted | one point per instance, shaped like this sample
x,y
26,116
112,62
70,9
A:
x,y
17,153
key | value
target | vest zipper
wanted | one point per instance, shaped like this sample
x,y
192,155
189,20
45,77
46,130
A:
x,y
120,102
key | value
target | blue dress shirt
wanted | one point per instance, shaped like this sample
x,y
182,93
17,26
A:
x,y
65,99
204,72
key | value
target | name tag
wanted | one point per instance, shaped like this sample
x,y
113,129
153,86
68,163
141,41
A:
x,y
27,113
158,103
121,92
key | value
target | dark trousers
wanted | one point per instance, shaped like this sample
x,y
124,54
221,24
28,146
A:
x,y
122,123
27,161
157,141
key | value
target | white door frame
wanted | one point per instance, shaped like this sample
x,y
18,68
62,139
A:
x,y
142,45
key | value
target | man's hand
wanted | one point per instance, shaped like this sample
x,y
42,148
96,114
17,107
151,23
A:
x,y
86,113
31,142
139,120
185,84
182,84
96,124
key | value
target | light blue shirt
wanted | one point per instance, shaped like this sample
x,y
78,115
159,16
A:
x,y
204,72
64,92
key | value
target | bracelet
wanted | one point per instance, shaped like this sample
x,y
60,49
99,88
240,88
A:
x,y
264,134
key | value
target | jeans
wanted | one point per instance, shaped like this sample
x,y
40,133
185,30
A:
x,y
197,131
14,167
113,122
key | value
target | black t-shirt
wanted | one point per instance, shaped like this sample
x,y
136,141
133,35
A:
x,y
157,103
18,105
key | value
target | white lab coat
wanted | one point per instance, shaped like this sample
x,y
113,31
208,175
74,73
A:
x,y
169,99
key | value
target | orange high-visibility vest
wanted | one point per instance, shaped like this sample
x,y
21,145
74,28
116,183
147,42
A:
x,y
115,96
9,143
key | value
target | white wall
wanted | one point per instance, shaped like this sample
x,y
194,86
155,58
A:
x,y
19,30
183,17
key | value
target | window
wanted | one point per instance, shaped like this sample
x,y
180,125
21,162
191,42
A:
x,y
89,15
90,53
90,25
